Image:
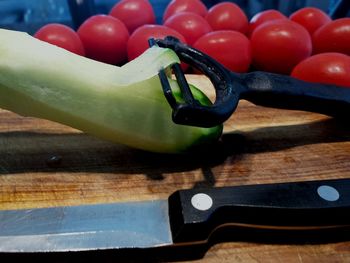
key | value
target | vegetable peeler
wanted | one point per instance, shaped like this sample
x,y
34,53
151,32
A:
x,y
260,88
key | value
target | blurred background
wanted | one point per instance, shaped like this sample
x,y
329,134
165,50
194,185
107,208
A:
x,y
29,15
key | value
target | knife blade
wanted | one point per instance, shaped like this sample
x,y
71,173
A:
x,y
186,217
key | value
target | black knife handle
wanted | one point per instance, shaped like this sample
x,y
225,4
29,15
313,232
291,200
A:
x,y
284,92
195,214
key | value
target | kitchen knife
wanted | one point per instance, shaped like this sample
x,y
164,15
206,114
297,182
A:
x,y
187,217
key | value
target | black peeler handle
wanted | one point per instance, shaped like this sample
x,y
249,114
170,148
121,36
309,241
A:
x,y
284,92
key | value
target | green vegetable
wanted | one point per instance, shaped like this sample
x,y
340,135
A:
x,y
122,104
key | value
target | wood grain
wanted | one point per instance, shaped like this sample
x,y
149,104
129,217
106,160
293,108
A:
x,y
259,145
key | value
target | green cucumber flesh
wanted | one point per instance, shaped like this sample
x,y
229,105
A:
x,y
124,104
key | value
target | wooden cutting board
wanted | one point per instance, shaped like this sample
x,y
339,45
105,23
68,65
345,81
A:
x,y
260,145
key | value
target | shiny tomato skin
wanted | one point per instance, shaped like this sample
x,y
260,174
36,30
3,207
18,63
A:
x,y
61,36
230,48
138,41
104,38
279,45
333,37
134,13
190,25
311,18
176,6
327,68
263,17
227,16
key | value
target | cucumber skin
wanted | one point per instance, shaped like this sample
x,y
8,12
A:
x,y
124,105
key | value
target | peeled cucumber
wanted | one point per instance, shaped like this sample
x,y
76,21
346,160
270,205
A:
x,y
124,104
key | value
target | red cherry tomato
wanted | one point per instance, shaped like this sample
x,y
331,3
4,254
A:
x,y
134,13
62,36
263,17
138,41
230,48
104,38
227,16
176,6
311,18
279,45
333,37
328,68
190,25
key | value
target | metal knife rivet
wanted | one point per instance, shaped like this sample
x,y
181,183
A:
x,y
201,201
328,193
